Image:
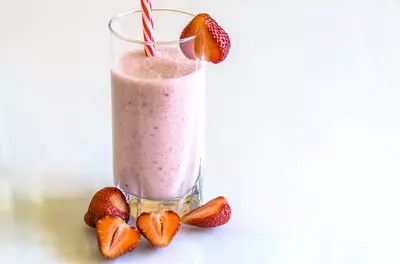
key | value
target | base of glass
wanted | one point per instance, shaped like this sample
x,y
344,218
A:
x,y
181,205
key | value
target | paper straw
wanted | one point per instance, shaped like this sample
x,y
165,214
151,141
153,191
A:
x,y
148,27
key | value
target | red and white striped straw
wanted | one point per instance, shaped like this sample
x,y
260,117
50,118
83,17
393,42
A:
x,y
148,27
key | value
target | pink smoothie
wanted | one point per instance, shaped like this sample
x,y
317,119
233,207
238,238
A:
x,y
157,105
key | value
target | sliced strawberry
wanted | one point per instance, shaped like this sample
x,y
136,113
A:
x,y
159,228
107,201
115,237
215,213
211,41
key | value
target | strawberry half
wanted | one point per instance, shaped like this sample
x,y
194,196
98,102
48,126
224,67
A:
x,y
215,213
210,41
107,201
159,228
115,237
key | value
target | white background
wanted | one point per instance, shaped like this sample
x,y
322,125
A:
x,y
303,132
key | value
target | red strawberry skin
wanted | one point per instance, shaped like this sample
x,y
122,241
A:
x,y
115,237
216,212
211,41
107,201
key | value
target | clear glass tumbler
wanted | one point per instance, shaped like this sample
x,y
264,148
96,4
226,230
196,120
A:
x,y
157,113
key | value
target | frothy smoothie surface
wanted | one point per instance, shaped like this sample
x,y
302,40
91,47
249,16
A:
x,y
169,63
157,123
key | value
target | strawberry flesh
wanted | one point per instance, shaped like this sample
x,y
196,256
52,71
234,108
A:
x,y
211,42
159,228
216,212
115,237
107,201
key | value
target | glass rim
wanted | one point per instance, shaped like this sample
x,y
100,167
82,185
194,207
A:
x,y
137,41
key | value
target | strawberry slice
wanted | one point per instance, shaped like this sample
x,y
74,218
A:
x,y
159,228
211,40
107,201
215,213
115,237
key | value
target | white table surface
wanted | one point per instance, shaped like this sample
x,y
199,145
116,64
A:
x,y
303,132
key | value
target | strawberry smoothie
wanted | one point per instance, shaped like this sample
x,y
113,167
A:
x,y
157,106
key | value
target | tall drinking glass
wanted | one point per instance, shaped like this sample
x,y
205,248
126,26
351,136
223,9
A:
x,y
157,113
